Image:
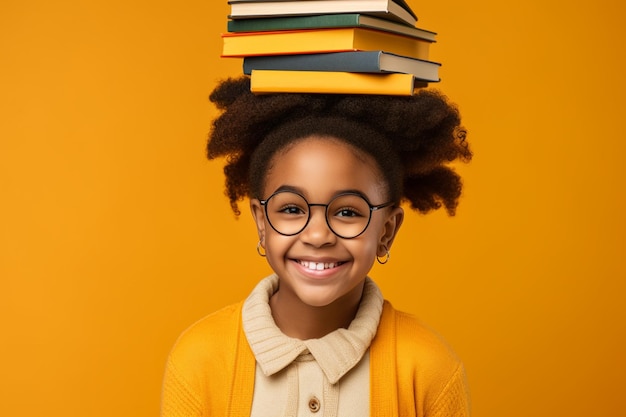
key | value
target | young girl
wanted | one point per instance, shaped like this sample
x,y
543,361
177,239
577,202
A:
x,y
325,175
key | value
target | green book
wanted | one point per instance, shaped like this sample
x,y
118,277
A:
x,y
327,21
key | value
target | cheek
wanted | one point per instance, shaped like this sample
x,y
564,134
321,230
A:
x,y
366,246
375,231
275,243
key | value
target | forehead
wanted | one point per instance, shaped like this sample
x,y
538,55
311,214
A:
x,y
322,167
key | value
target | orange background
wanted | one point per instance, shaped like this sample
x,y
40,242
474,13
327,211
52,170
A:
x,y
115,235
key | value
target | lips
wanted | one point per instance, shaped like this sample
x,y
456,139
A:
x,y
319,266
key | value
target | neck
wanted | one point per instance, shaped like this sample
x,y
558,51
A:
x,y
298,320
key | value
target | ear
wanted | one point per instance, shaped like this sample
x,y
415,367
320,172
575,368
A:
x,y
258,214
390,230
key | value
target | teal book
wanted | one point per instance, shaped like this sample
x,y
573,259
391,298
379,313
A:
x,y
328,21
355,62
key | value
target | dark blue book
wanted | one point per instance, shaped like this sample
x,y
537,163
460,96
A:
x,y
364,62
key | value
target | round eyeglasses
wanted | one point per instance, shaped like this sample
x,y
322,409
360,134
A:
x,y
347,214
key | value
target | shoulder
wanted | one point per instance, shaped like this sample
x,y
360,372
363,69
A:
x,y
208,339
416,339
217,320
415,336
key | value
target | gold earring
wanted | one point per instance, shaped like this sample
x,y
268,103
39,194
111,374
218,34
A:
x,y
259,250
384,260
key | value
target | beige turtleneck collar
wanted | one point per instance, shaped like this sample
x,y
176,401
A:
x,y
336,353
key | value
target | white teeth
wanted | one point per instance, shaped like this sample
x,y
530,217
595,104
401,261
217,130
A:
x,y
318,266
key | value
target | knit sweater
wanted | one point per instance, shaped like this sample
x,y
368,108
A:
x,y
413,373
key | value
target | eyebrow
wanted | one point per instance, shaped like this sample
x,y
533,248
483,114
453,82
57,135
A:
x,y
291,188
300,191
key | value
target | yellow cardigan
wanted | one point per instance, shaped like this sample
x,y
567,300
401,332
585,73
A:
x,y
413,373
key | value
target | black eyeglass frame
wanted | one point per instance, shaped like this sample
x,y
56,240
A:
x,y
372,208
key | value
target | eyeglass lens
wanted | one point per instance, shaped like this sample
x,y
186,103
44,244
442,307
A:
x,y
347,215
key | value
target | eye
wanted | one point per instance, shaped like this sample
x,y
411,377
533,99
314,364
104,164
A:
x,y
348,212
291,209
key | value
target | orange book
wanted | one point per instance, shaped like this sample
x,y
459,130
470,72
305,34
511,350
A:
x,y
267,81
311,41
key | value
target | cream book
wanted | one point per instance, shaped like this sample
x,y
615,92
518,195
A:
x,y
397,10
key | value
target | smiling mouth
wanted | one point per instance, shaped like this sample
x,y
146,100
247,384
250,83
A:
x,y
319,266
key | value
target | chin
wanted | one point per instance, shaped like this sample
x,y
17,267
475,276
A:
x,y
318,302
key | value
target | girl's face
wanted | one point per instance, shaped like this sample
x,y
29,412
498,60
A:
x,y
316,267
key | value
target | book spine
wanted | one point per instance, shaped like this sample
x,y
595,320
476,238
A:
x,y
312,41
291,23
326,22
265,9
263,82
339,62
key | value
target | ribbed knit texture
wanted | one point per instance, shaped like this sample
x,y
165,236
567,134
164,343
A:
x,y
336,353
292,371
177,398
454,399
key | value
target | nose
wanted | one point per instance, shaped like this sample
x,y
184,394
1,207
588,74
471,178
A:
x,y
317,232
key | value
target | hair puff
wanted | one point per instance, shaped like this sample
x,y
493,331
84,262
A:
x,y
423,133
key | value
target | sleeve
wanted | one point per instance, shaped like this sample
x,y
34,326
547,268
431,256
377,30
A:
x,y
454,399
431,377
199,371
177,398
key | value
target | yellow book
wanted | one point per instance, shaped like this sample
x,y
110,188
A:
x,y
267,81
310,41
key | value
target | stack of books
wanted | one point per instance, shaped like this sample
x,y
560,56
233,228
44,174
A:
x,y
330,46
